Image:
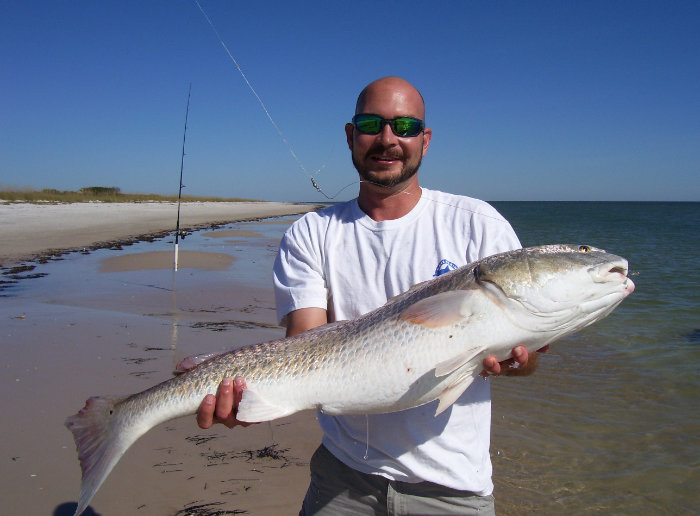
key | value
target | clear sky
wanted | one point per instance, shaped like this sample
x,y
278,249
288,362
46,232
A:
x,y
531,100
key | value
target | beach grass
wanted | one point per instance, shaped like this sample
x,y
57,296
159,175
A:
x,y
99,194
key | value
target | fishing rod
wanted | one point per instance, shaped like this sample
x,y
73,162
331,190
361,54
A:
x,y
182,165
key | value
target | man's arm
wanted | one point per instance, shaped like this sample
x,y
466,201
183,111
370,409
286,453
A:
x,y
299,321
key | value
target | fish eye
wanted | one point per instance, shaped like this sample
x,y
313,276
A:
x,y
477,273
584,249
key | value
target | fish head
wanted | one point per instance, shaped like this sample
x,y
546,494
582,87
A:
x,y
559,288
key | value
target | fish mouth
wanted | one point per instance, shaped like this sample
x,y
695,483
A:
x,y
616,272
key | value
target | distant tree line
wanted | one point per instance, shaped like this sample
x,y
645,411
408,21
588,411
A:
x,y
101,190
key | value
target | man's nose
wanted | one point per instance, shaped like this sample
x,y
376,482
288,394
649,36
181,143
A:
x,y
386,135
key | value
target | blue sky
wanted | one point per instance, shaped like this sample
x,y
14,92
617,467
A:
x,y
527,100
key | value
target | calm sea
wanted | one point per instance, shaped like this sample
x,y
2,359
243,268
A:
x,y
610,422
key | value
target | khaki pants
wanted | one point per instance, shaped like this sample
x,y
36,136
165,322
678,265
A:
x,y
337,489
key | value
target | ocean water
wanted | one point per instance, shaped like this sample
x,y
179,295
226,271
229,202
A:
x,y
609,423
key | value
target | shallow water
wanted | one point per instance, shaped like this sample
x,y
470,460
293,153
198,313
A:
x,y
610,422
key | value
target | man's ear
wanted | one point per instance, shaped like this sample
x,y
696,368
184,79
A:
x,y
349,128
427,135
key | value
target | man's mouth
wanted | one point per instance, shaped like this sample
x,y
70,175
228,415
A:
x,y
385,159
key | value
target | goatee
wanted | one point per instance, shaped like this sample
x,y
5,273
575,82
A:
x,y
407,172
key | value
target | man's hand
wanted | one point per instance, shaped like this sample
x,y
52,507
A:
x,y
522,363
223,407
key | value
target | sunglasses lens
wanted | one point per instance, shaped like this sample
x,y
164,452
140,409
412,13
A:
x,y
368,124
406,126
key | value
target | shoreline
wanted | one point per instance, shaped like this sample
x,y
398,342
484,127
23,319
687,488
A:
x,y
41,232
117,322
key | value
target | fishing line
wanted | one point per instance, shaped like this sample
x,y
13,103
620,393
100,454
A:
x,y
481,214
264,108
367,438
314,183
428,198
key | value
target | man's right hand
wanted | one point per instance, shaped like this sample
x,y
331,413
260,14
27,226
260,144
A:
x,y
223,407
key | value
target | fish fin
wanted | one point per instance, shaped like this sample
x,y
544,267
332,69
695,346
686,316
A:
x,y
439,310
414,287
188,363
453,391
253,408
323,327
99,445
454,363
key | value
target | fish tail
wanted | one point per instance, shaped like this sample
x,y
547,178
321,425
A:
x,y
100,442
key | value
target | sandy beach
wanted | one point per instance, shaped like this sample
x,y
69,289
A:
x,y
116,321
28,230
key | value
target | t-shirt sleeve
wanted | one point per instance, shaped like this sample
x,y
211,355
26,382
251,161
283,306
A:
x,y
499,241
494,234
298,277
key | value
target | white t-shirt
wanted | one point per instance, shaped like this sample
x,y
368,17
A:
x,y
341,260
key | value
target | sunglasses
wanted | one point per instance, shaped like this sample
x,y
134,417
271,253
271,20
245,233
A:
x,y
403,126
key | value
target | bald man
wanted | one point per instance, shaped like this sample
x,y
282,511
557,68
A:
x,y
348,259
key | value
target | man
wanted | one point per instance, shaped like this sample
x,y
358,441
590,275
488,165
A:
x,y
348,259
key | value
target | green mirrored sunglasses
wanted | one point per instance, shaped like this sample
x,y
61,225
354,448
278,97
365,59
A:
x,y
404,126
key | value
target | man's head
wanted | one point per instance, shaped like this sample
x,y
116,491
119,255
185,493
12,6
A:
x,y
386,159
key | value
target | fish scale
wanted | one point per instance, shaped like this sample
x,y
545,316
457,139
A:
x,y
423,345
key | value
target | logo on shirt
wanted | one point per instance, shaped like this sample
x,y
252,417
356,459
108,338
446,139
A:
x,y
443,267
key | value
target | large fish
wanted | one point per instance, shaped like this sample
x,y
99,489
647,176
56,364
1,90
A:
x,y
426,344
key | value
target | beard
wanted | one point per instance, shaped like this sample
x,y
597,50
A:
x,y
408,170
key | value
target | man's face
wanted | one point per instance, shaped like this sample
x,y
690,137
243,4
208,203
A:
x,y
386,159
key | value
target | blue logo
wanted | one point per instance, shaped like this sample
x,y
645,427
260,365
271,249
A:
x,y
443,267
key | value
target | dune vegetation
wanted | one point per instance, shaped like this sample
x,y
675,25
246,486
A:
x,y
97,194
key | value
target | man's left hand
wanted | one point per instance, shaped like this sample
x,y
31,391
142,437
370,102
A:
x,y
522,363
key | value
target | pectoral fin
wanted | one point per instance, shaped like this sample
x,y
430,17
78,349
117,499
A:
x,y
442,309
254,408
451,365
463,379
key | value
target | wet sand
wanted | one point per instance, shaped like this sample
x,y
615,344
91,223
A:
x,y
116,322
163,260
28,230
62,354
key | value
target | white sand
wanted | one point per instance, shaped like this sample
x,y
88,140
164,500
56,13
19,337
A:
x,y
29,230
